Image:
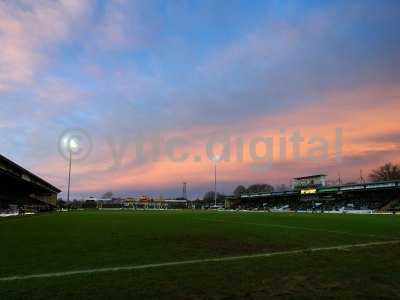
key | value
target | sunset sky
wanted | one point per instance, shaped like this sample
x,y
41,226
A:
x,y
187,73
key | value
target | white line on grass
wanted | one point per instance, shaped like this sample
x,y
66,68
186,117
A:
x,y
194,261
290,227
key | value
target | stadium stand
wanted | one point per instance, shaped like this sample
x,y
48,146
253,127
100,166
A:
x,y
376,196
24,191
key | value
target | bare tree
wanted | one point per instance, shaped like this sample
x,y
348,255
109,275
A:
x,y
281,188
259,188
239,191
388,171
107,195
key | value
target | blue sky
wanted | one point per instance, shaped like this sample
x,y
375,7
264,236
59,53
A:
x,y
193,68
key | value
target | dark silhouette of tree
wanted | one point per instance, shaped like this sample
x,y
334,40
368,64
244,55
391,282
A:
x,y
388,171
260,188
74,204
61,203
281,188
239,191
107,195
90,204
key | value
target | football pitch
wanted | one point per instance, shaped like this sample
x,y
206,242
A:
x,y
199,255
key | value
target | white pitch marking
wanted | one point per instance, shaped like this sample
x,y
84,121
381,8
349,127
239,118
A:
x,y
289,227
194,261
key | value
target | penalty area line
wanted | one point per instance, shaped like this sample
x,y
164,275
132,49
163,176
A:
x,y
291,227
195,261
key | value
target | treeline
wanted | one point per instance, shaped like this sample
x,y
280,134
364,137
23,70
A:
x,y
254,188
241,189
76,204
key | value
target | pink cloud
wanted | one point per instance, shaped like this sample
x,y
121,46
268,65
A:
x,y
26,28
361,149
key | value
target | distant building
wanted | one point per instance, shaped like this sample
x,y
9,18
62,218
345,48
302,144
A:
x,y
312,181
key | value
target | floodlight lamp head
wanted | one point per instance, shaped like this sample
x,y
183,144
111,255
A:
x,y
216,158
71,144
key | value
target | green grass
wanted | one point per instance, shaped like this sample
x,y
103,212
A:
x,y
96,239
